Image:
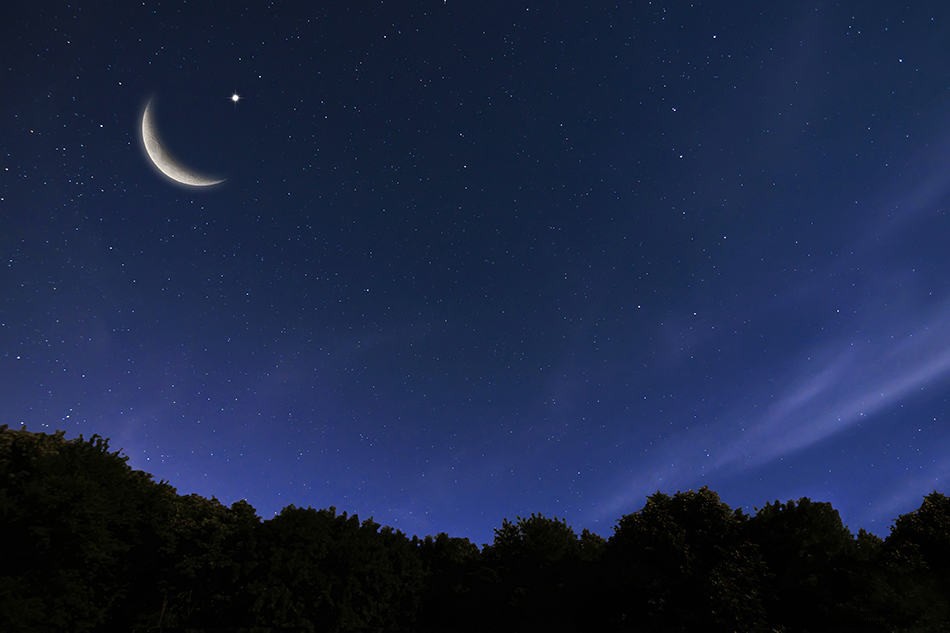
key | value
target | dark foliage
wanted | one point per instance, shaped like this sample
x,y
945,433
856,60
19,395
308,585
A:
x,y
682,564
91,545
807,551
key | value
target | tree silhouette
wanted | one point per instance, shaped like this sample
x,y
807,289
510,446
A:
x,y
454,594
538,561
92,545
332,573
74,515
917,558
807,550
681,563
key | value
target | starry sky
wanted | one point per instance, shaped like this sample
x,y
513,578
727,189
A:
x,y
474,260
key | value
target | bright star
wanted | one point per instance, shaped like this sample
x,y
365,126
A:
x,y
235,97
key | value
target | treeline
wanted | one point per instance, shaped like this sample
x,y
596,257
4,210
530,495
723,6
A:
x,y
88,544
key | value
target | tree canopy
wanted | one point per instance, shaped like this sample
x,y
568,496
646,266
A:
x,y
92,545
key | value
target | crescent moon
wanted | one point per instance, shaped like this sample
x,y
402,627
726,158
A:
x,y
164,161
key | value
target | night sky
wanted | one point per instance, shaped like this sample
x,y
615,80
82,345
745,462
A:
x,y
474,260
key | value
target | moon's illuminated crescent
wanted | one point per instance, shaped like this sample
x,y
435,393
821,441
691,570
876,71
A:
x,y
164,161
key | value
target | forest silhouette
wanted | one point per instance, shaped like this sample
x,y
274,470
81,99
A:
x,y
90,544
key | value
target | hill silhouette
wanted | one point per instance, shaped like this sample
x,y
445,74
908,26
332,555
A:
x,y
92,545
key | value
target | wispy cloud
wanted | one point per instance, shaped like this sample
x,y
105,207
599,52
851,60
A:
x,y
858,381
828,390
906,494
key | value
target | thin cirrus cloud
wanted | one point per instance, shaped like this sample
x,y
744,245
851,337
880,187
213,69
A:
x,y
903,349
860,380
907,492
830,389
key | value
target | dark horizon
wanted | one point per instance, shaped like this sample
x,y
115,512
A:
x,y
99,546
527,514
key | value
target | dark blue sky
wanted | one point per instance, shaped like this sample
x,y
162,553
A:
x,y
478,260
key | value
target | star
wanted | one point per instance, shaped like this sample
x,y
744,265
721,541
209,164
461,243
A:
x,y
235,97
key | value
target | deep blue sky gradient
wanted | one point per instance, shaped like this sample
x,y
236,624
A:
x,y
478,260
